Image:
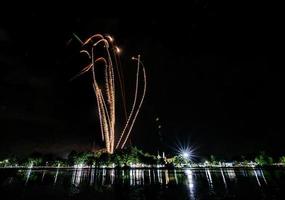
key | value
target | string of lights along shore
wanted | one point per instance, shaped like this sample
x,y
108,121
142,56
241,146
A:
x,y
102,52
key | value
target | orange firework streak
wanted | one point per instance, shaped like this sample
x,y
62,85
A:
x,y
105,96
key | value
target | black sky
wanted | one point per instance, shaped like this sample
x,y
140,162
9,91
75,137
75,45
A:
x,y
212,80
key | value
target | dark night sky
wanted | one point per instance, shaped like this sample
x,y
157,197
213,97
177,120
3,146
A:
x,y
212,80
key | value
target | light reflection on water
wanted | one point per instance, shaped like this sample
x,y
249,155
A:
x,y
224,179
144,176
195,181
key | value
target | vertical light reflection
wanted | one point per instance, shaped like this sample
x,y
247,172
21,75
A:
x,y
149,176
209,178
137,177
243,172
175,176
28,175
262,174
153,175
190,181
246,173
131,177
112,176
55,178
231,174
257,179
123,176
73,176
166,177
92,174
103,176
224,179
143,177
159,176
43,176
78,175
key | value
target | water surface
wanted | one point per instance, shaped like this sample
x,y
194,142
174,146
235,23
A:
x,y
142,184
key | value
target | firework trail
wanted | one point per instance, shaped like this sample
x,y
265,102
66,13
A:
x,y
115,54
77,38
140,104
106,93
121,81
133,106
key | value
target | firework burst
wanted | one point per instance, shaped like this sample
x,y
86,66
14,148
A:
x,y
106,93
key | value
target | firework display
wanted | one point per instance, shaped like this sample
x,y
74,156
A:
x,y
105,93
